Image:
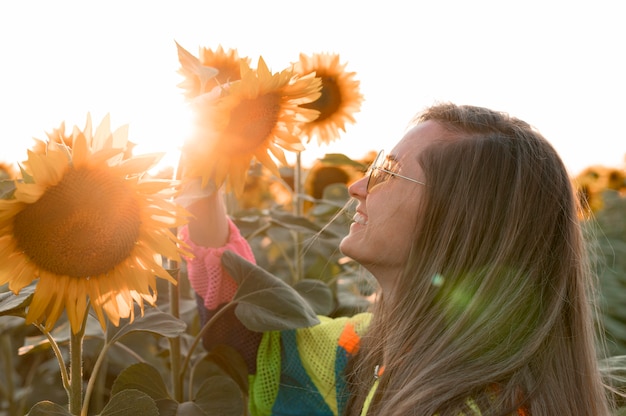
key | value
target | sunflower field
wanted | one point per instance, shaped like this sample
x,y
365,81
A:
x,y
97,315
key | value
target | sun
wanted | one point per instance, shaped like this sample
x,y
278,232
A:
x,y
88,227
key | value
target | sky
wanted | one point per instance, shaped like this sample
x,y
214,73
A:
x,y
555,64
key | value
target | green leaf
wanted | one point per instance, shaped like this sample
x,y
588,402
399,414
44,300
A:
x,y
11,304
339,159
318,294
26,177
130,403
153,321
220,396
7,188
47,408
167,407
265,302
61,334
228,361
142,377
294,222
335,198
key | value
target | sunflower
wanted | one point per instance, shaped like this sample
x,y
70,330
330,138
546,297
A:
x,y
255,117
334,169
592,182
85,223
60,136
227,63
212,68
340,97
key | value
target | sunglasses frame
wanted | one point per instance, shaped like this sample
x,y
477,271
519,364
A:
x,y
380,158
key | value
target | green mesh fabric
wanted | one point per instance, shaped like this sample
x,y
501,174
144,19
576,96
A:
x,y
264,385
300,372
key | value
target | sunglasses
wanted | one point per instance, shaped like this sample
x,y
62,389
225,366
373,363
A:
x,y
380,172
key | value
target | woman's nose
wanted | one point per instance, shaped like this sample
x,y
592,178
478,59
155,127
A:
x,y
358,188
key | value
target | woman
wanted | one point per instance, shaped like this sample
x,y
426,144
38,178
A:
x,y
470,227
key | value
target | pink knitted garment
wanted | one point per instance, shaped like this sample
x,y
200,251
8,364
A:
x,y
206,274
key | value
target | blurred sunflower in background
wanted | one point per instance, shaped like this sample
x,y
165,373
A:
x,y
254,118
340,98
211,69
87,225
593,181
334,169
227,63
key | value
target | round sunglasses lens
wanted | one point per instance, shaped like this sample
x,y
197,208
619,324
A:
x,y
377,176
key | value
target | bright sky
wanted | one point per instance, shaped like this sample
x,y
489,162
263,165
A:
x,y
557,64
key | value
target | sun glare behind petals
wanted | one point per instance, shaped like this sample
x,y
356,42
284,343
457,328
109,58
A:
x,y
255,118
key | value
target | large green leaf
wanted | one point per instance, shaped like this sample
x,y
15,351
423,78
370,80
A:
x,y
265,302
224,360
220,396
130,403
318,294
142,377
47,408
153,321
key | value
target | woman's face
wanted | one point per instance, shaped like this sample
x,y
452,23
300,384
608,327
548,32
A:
x,y
381,234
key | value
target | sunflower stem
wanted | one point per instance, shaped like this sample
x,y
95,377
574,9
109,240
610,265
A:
x,y
8,391
173,292
65,378
299,206
94,376
175,355
76,370
197,340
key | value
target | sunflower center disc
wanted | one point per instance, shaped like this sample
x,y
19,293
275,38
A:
x,y
330,100
252,121
83,226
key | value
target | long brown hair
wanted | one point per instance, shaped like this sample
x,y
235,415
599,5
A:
x,y
494,303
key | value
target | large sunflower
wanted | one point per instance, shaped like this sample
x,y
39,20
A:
x,y
212,68
255,117
88,226
340,97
